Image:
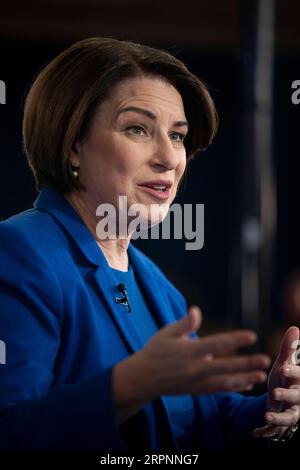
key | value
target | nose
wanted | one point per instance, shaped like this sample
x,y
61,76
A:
x,y
165,154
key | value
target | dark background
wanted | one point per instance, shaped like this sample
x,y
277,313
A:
x,y
210,36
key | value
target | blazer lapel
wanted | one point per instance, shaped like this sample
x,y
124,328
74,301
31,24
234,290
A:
x,y
156,297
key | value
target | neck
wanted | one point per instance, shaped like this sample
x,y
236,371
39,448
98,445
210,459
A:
x,y
114,250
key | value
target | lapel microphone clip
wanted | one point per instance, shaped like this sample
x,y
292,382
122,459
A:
x,y
123,300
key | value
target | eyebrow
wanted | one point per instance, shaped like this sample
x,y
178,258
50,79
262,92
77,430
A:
x,y
149,114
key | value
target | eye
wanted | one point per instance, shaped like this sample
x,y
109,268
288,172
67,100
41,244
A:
x,y
177,136
136,130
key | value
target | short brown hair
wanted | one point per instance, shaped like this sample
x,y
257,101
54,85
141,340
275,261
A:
x,y
64,97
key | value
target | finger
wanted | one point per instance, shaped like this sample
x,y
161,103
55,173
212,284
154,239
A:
x,y
236,364
274,405
290,396
291,371
222,343
234,382
191,322
289,417
289,344
269,431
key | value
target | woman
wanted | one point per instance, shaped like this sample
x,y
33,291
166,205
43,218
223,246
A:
x,y
88,366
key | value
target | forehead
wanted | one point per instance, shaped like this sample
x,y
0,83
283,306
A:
x,y
154,92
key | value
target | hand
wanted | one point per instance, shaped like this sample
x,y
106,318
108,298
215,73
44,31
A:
x,y
283,406
173,363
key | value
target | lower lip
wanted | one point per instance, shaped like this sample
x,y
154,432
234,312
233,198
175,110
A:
x,y
162,195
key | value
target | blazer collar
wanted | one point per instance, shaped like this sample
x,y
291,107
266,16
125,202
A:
x,y
58,206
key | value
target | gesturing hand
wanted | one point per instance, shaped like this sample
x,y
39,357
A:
x,y
174,363
283,408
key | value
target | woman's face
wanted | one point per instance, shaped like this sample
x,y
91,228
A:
x,y
135,144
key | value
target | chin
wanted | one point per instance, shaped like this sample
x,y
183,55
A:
x,y
158,219
153,218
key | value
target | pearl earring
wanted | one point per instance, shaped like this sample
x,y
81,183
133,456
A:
x,y
74,170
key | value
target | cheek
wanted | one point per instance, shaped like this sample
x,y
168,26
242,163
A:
x,y
181,166
123,158
106,157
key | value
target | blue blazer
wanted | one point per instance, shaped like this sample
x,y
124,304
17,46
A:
x,y
64,333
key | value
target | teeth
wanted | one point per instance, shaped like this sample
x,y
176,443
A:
x,y
160,187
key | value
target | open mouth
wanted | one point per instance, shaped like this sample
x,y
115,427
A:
x,y
161,187
159,191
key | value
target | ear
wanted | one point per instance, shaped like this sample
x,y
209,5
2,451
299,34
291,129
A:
x,y
74,148
74,157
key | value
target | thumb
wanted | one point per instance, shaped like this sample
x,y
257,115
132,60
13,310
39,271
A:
x,y
184,326
289,344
